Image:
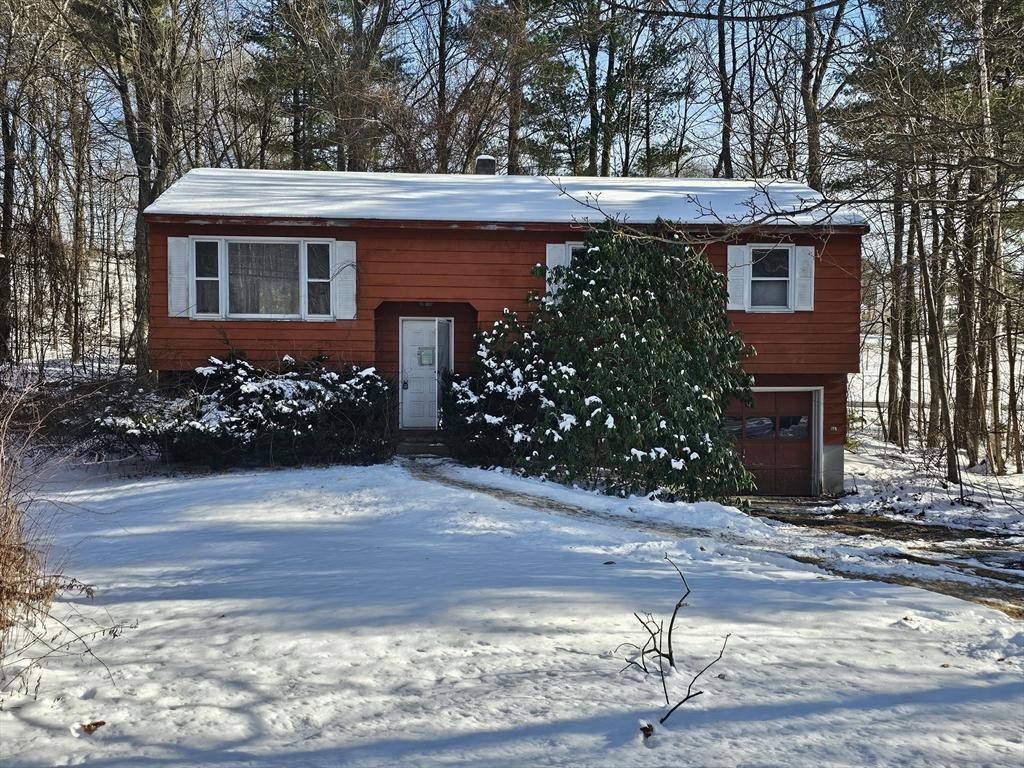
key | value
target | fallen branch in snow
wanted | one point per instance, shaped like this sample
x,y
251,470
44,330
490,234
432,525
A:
x,y
659,646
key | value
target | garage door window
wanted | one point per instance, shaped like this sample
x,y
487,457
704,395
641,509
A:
x,y
759,428
793,427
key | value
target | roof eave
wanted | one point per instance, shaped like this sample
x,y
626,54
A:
x,y
520,226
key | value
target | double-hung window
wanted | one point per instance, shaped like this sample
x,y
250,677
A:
x,y
560,255
776,277
207,277
770,270
262,278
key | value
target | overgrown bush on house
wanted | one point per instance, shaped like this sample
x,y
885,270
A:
x,y
618,381
240,414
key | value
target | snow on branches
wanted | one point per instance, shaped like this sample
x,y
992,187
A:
x,y
616,382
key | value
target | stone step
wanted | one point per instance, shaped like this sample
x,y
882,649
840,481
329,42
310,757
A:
x,y
421,448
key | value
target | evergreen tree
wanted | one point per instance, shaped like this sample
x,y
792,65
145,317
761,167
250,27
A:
x,y
620,378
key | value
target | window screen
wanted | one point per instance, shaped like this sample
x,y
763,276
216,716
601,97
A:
x,y
318,279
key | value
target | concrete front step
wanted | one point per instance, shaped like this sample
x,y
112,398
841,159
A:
x,y
421,448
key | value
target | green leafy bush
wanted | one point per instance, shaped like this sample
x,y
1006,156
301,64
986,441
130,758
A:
x,y
618,382
244,415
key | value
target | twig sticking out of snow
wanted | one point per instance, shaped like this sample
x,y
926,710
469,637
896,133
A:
x,y
659,646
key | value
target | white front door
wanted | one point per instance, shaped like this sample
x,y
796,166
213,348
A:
x,y
422,362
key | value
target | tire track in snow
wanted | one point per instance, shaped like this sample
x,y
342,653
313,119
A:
x,y
1004,591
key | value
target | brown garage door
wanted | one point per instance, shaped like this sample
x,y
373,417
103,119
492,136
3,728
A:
x,y
774,438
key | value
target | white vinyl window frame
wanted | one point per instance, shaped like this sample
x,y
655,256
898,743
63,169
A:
x,y
789,279
223,277
571,246
559,255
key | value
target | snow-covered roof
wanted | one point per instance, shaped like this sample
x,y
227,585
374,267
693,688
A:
x,y
225,192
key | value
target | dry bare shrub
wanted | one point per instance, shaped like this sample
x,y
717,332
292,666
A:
x,y
26,589
30,579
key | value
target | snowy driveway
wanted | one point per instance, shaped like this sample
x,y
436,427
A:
x,y
361,616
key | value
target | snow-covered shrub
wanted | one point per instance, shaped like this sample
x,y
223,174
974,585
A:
x,y
242,414
618,382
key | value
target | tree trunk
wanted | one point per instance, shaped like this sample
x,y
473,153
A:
x,y
809,97
517,42
7,129
932,323
894,433
724,165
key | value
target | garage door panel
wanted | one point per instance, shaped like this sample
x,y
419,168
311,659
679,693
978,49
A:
x,y
795,402
774,439
764,404
791,482
791,454
764,480
759,454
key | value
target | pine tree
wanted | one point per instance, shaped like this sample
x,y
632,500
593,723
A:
x,y
618,381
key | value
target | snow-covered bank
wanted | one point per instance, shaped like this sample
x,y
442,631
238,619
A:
x,y
909,486
702,515
359,616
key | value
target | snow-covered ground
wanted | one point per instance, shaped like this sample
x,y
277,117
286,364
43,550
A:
x,y
873,381
910,486
916,554
367,617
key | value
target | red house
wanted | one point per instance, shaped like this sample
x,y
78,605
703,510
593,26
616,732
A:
x,y
399,270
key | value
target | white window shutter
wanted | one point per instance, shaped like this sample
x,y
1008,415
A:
x,y
804,295
179,252
558,255
738,277
343,280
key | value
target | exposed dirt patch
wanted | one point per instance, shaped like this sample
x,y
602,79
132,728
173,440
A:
x,y
1009,600
798,512
981,553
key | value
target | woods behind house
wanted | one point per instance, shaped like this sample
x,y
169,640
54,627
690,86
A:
x,y
911,109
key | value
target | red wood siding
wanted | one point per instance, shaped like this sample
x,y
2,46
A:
x,y
825,340
488,269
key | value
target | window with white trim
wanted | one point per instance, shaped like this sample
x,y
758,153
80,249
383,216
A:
x,y
560,255
207,277
771,268
318,279
262,278
770,277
